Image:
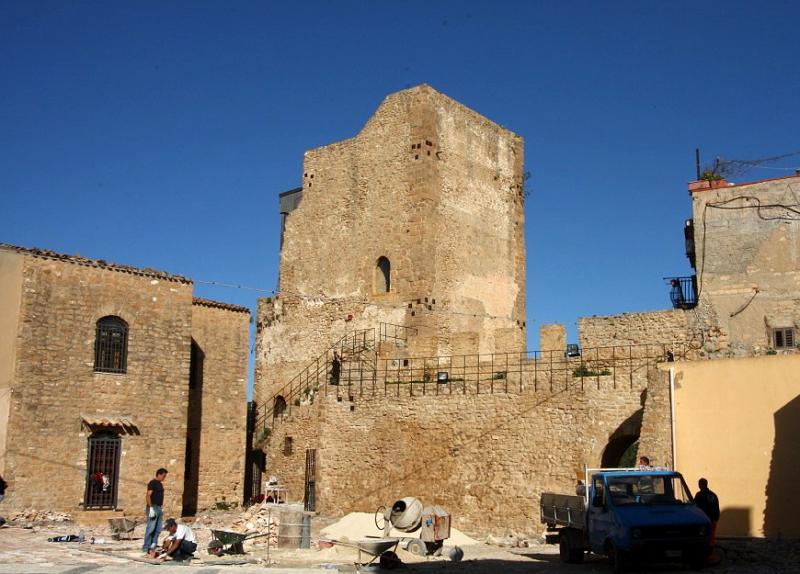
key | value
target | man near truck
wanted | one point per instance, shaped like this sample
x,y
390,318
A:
x,y
707,501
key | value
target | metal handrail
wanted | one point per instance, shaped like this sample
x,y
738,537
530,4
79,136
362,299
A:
x,y
362,372
350,345
398,332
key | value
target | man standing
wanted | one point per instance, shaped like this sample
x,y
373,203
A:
x,y
708,502
181,542
3,486
154,499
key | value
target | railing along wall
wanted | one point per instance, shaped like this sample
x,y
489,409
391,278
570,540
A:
x,y
354,353
390,331
616,367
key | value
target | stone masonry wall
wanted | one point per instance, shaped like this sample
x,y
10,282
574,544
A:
x,y
655,439
223,336
55,384
484,457
10,297
553,338
669,327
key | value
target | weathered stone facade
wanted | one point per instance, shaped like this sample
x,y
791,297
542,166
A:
x,y
416,222
221,334
485,457
669,326
56,398
552,338
747,247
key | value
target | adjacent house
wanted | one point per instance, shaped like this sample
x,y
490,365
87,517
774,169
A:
x,y
108,372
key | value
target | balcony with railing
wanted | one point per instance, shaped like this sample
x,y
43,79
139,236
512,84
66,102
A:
x,y
683,292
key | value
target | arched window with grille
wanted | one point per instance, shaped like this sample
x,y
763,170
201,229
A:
x,y
383,275
111,345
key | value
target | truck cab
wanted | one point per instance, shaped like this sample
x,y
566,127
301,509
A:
x,y
645,514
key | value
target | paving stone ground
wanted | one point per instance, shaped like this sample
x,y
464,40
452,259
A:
x,y
26,551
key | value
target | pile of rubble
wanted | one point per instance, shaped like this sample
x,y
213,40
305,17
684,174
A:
x,y
31,516
263,519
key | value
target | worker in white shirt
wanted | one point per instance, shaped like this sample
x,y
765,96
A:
x,y
181,542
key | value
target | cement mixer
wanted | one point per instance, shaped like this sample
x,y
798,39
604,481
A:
x,y
408,515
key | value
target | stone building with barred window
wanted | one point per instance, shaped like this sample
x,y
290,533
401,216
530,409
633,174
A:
x,y
108,372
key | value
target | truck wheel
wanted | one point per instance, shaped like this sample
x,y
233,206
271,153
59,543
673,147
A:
x,y
563,547
619,558
567,550
697,560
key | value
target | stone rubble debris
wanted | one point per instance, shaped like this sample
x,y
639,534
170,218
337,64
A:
x,y
262,519
31,517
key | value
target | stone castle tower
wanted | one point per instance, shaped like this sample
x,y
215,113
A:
x,y
413,228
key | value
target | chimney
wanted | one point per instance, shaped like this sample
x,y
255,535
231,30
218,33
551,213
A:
x,y
706,185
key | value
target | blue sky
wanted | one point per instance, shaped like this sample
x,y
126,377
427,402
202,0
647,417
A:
x,y
159,133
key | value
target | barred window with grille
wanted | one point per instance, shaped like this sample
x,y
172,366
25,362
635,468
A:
x,y
783,338
111,345
102,476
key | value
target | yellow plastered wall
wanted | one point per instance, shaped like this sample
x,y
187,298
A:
x,y
737,423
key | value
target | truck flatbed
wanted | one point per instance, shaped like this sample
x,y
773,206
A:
x,y
563,510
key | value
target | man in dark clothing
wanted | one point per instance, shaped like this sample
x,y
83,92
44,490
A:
x,y
3,486
154,499
336,368
708,502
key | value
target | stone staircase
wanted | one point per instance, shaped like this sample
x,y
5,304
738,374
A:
x,y
349,360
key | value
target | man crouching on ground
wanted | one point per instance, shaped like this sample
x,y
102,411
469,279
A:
x,y
181,542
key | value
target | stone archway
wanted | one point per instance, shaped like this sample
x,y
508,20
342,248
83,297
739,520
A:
x,y
625,436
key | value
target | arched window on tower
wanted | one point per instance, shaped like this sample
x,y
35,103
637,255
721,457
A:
x,y
383,275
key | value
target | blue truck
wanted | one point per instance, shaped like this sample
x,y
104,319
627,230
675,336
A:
x,y
630,516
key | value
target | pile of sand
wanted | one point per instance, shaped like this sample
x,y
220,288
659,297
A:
x,y
358,525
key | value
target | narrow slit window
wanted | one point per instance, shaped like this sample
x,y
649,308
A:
x,y
383,275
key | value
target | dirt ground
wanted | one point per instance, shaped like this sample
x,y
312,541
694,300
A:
x,y
23,548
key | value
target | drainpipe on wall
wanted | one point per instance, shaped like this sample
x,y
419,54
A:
x,y
672,416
